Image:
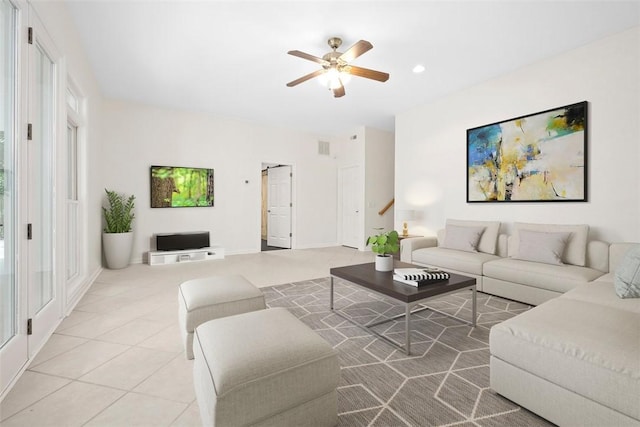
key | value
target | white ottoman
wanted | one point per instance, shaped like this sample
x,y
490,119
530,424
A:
x,y
264,368
209,298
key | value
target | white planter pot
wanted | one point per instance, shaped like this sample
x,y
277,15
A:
x,y
117,249
384,263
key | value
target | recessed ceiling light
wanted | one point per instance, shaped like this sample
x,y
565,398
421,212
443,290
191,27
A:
x,y
418,69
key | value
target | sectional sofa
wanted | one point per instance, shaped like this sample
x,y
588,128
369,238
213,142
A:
x,y
518,266
575,358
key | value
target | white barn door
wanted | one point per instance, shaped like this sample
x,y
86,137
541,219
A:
x,y
279,207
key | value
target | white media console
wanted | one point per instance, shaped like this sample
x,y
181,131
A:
x,y
186,255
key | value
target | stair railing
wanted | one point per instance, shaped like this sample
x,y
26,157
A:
x,y
386,207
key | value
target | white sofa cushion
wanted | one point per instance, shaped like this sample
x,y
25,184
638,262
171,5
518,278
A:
x,y
557,278
489,238
576,250
541,246
608,277
590,349
464,262
601,292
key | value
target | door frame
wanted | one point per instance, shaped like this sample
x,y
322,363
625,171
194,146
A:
x,y
360,203
47,320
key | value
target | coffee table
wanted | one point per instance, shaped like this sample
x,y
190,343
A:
x,y
366,276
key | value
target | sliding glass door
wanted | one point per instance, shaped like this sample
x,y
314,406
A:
x,y
30,303
13,342
44,298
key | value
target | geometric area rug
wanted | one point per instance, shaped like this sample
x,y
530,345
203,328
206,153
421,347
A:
x,y
445,381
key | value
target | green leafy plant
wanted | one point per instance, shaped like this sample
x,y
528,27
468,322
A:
x,y
119,216
384,243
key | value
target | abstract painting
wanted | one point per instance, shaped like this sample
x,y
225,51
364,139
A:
x,y
540,157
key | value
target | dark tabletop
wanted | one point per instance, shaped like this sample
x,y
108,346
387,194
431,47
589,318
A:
x,y
366,276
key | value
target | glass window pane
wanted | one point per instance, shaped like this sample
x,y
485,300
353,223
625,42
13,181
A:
x,y
42,192
8,110
72,239
72,162
72,202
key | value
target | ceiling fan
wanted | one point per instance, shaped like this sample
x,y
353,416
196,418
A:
x,y
335,66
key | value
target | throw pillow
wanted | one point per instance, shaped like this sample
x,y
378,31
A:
x,y
576,250
540,246
627,275
489,239
462,238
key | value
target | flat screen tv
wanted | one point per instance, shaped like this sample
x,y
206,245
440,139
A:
x,y
181,187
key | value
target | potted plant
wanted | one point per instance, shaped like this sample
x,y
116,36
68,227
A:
x,y
384,245
117,237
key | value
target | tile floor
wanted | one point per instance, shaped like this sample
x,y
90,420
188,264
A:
x,y
118,360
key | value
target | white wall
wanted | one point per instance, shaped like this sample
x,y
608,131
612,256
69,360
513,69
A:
x,y
138,136
379,179
372,150
431,140
350,152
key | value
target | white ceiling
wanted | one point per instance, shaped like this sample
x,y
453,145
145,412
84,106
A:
x,y
230,58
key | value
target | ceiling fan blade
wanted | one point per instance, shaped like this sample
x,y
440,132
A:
x,y
339,91
307,56
367,73
305,78
356,50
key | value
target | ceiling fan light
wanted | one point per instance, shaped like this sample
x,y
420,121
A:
x,y
333,79
418,69
345,77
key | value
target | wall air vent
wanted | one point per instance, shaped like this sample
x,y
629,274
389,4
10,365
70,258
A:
x,y
324,148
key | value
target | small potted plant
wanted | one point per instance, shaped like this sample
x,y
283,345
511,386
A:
x,y
384,245
117,237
